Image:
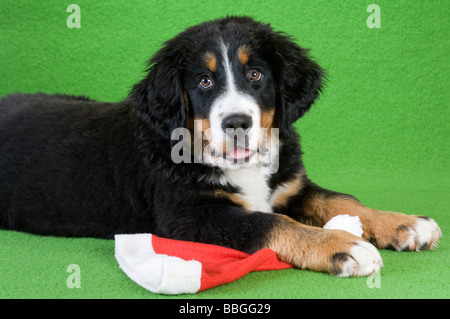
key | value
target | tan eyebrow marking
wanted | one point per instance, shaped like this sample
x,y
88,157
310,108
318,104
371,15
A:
x,y
244,54
210,61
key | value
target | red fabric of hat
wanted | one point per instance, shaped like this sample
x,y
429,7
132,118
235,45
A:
x,y
174,267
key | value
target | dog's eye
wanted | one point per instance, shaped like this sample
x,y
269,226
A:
x,y
205,82
254,75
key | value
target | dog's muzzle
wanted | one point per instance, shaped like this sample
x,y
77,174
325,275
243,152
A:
x,y
237,127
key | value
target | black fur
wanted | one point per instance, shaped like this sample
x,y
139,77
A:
x,y
70,166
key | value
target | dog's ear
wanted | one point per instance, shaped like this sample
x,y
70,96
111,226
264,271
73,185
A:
x,y
159,98
299,80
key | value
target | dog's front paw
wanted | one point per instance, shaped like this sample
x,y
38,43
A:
x,y
424,234
343,255
336,252
362,259
404,232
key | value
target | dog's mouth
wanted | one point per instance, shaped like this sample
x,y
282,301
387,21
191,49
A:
x,y
239,153
235,155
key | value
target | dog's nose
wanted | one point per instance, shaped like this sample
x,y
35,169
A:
x,y
236,121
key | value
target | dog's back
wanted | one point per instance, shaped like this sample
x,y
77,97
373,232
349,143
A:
x,y
58,155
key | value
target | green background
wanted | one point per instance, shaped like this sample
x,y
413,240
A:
x,y
380,130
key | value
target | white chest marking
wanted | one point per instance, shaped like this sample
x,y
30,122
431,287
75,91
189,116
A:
x,y
253,185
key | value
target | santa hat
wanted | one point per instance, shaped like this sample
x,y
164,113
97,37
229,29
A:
x,y
172,267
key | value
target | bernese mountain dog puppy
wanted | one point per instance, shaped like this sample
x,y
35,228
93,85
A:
x,y
203,149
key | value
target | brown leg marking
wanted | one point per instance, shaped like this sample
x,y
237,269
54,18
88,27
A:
x,y
383,229
233,198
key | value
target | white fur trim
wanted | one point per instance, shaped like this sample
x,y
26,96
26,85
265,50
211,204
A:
x,y
352,224
156,272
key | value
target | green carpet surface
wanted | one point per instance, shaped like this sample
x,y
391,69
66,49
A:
x,y
380,130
